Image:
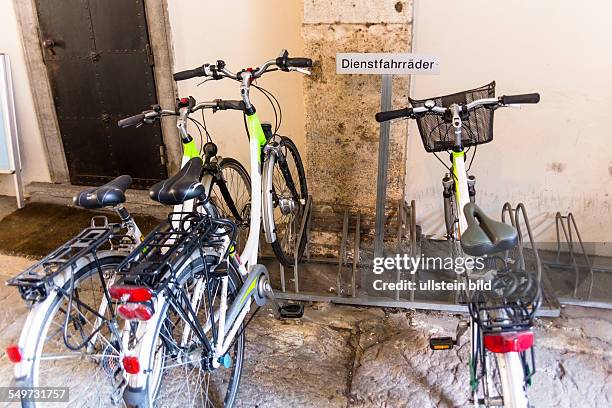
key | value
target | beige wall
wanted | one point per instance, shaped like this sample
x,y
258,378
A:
x,y
32,151
554,156
243,33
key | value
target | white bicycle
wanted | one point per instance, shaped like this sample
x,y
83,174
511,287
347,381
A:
x,y
501,360
71,337
184,291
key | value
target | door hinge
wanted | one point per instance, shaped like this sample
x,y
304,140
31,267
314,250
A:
x,y
162,154
150,58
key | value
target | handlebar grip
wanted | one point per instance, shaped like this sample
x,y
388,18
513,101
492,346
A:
x,y
284,62
131,121
524,98
233,105
299,62
190,73
393,114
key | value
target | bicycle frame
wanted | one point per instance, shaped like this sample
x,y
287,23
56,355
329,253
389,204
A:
x,y
462,195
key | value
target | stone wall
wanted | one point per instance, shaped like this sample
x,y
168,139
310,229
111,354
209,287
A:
x,y
341,133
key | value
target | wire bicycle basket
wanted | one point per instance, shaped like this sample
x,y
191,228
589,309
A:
x,y
437,133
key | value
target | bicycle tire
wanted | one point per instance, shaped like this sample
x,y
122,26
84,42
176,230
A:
x,y
243,203
512,380
32,379
282,254
153,396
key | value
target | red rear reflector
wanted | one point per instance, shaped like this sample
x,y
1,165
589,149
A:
x,y
508,342
131,364
14,353
127,293
135,311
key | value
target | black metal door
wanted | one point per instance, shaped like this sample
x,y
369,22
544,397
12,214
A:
x,y
100,66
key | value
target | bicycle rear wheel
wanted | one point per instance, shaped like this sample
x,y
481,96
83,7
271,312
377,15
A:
x,y
237,207
181,374
89,370
289,208
512,378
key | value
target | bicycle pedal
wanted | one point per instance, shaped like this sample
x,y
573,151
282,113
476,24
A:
x,y
441,343
291,311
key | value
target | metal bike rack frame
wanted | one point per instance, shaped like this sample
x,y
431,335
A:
x,y
355,296
406,214
568,226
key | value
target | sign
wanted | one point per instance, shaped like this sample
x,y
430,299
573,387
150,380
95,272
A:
x,y
386,63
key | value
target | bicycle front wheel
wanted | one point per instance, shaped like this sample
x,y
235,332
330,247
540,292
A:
x,y
232,197
288,192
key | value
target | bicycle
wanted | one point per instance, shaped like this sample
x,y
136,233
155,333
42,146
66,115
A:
x,y
500,320
283,190
86,264
185,290
72,329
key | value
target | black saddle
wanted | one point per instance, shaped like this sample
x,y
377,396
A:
x,y
108,195
181,187
484,235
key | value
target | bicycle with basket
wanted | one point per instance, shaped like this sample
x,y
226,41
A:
x,y
500,319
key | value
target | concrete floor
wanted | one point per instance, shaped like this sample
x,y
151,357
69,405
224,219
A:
x,y
341,356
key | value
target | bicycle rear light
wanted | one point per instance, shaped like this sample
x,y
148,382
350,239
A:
x,y
507,342
131,364
128,293
135,311
14,353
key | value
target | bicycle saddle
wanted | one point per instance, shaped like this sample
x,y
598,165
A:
x,y
181,187
108,195
484,235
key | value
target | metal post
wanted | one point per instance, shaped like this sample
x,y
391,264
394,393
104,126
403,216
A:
x,y
356,253
342,253
383,162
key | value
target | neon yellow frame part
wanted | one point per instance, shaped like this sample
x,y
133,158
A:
x,y
190,150
255,130
455,156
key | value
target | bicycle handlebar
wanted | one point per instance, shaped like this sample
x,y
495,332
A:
x,y
217,104
218,70
412,113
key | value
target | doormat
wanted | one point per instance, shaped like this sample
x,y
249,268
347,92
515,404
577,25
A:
x,y
39,228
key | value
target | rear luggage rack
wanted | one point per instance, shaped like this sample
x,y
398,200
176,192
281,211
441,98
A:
x,y
172,244
35,282
516,316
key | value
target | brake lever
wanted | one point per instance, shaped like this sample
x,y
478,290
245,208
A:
x,y
301,70
206,80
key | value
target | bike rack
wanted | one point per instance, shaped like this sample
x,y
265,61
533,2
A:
x,y
304,225
407,232
550,305
567,225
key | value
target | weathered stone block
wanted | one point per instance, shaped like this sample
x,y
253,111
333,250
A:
x,y
357,11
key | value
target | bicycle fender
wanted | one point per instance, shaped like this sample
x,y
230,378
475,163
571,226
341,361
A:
x,y
268,207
